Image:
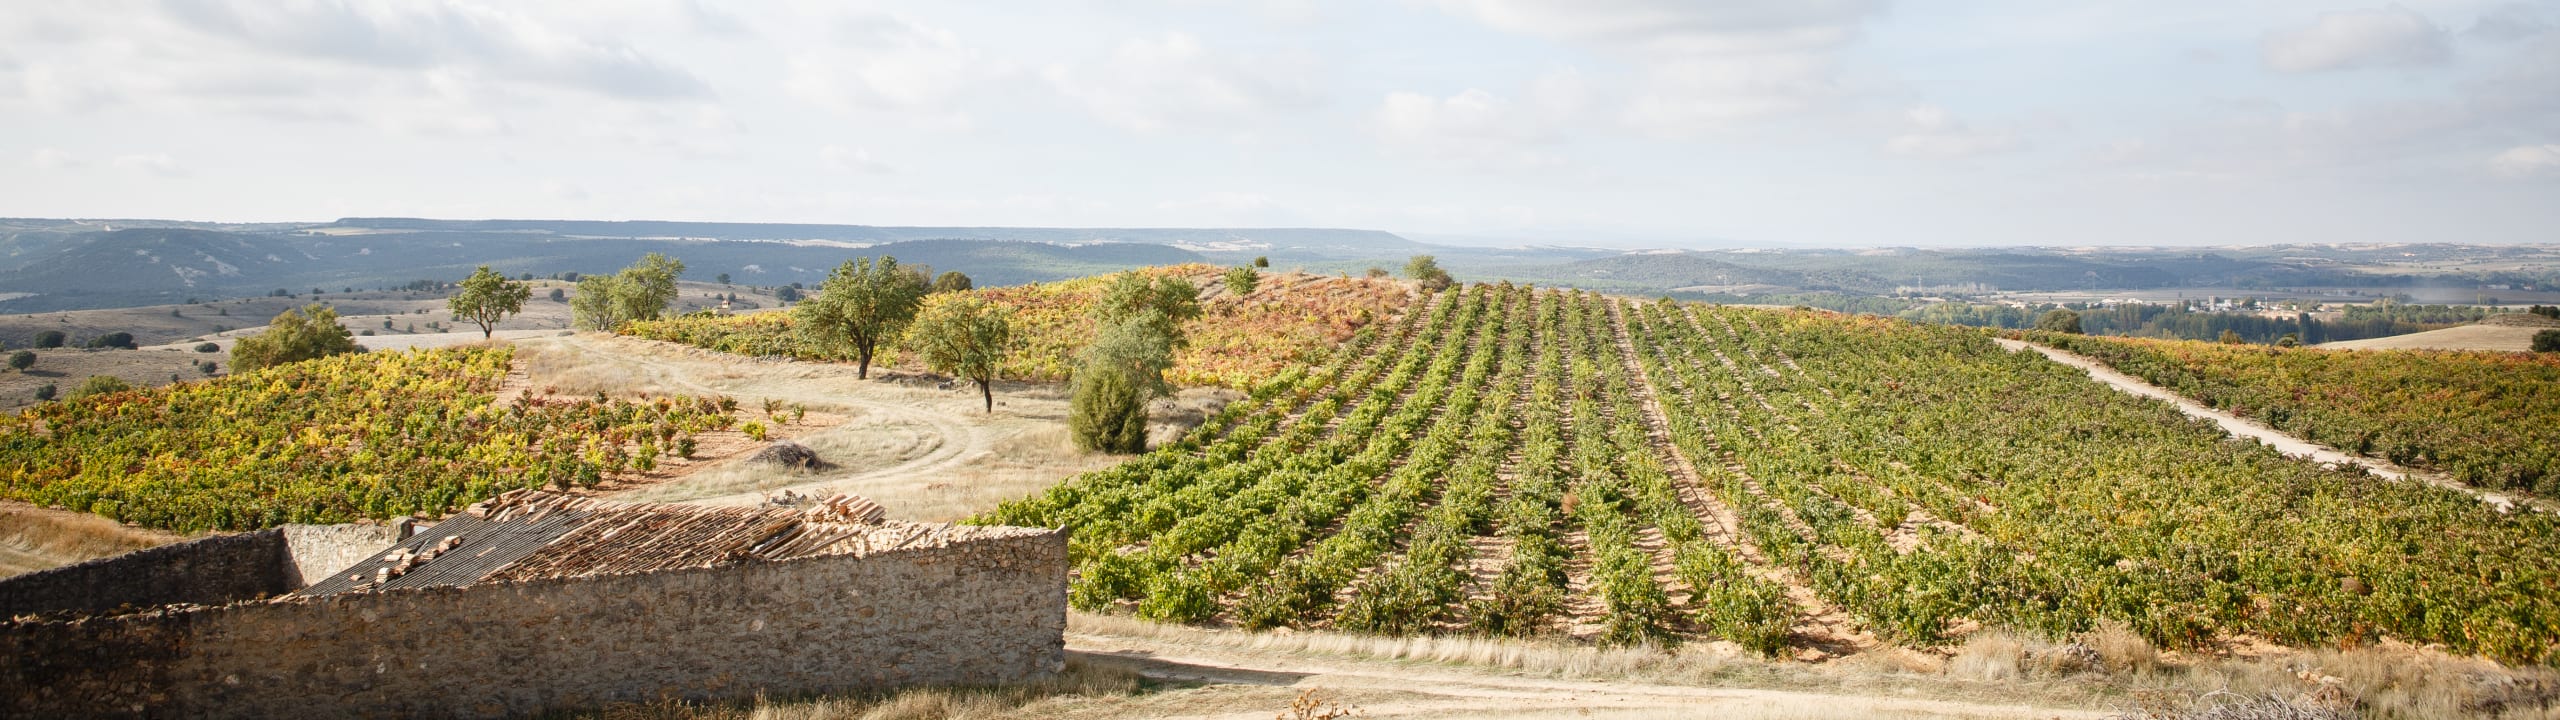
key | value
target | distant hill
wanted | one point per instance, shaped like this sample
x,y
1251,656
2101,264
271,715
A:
x,y
1296,244
2510,332
156,266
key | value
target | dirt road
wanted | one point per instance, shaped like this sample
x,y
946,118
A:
x,y
2244,427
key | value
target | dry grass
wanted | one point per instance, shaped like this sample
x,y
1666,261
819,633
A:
x,y
1083,681
34,538
2122,649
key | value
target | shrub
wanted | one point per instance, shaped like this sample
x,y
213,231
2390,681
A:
x,y
2546,341
113,340
208,347
44,392
50,339
2059,320
100,385
1241,281
754,430
21,360
294,336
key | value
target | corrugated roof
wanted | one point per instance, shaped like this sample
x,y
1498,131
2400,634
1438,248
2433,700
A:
x,y
527,535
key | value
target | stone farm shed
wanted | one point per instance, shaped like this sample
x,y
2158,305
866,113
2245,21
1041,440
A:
x,y
533,602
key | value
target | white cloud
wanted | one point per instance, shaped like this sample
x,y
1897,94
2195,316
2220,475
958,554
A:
x,y
440,34
155,163
2527,162
1705,66
1933,133
2392,36
52,159
897,65
1473,129
853,160
1176,81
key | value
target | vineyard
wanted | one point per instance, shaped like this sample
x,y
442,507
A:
x,y
331,440
1518,462
2483,417
1290,320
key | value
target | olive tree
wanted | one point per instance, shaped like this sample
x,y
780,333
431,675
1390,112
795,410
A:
x,y
863,304
486,298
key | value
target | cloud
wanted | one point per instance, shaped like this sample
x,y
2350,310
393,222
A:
x,y
2511,22
894,64
1703,66
1933,134
853,160
52,159
1473,129
1176,81
2393,36
2527,162
154,163
431,35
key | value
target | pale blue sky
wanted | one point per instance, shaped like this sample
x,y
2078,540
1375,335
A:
x,y
1616,122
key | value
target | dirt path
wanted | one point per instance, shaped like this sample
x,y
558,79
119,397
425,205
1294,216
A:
x,y
2283,442
1246,682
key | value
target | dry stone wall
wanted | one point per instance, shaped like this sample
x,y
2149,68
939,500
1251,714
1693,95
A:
x,y
319,551
987,610
218,569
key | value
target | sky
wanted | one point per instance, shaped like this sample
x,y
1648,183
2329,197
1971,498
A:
x,y
1631,123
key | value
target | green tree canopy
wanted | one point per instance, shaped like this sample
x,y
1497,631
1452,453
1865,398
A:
x,y
952,281
1241,281
966,336
21,360
1164,303
294,336
488,297
50,339
100,385
2059,320
1425,269
864,303
2543,342
639,292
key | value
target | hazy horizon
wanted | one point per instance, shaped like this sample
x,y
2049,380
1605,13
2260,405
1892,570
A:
x,y
1621,124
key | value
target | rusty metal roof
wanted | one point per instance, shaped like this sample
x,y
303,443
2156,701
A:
x,y
527,535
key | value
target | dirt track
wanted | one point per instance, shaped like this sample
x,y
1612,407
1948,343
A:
x,y
2244,427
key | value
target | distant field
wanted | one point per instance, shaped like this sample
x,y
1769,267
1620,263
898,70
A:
x,y
2490,419
1530,463
1290,320
2514,333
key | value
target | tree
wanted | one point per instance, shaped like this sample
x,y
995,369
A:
x,y
863,303
45,391
50,339
2059,320
966,336
1378,272
122,340
206,347
1425,269
559,295
21,360
2543,342
1262,261
952,281
100,385
294,336
1140,321
1163,303
639,292
2230,337
486,298
2289,340
1241,281
722,277
786,293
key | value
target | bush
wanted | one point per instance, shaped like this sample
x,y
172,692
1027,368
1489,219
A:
x,y
44,392
208,347
1109,411
118,340
1241,281
295,335
100,385
50,339
21,360
2546,341
2059,320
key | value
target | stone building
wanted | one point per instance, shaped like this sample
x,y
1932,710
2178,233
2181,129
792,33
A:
x,y
533,602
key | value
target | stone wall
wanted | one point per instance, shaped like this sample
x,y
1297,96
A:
x,y
213,570
319,551
980,611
